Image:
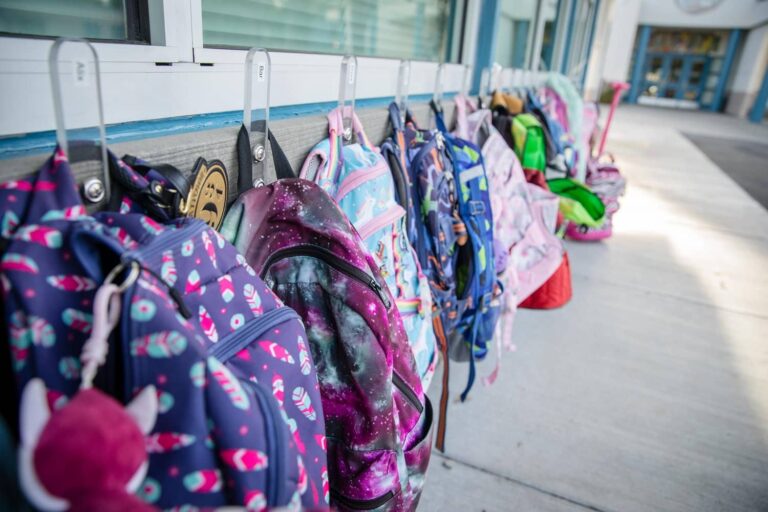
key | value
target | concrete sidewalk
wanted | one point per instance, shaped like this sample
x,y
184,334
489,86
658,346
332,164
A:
x,y
649,391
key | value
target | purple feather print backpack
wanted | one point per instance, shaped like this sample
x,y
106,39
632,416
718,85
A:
x,y
377,416
240,420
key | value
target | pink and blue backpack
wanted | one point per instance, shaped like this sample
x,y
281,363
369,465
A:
x,y
358,178
240,420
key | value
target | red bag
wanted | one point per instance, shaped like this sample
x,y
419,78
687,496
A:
x,y
556,292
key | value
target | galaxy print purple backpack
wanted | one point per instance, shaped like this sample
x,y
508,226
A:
x,y
377,417
240,419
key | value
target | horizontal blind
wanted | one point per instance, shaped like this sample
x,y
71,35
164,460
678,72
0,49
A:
x,y
413,29
95,19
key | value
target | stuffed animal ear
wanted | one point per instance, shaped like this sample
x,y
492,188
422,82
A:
x,y
143,409
34,416
34,412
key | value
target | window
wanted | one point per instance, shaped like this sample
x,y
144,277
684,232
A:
x,y
121,20
405,29
514,34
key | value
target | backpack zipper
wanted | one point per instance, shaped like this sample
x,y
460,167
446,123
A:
x,y
331,259
346,268
275,440
384,219
409,394
356,178
362,504
236,341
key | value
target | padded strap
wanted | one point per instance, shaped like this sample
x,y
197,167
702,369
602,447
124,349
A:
x,y
439,121
283,169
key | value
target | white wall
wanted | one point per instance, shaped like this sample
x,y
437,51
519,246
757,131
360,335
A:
x,y
727,14
621,39
749,72
594,78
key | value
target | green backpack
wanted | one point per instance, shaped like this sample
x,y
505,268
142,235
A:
x,y
578,203
530,144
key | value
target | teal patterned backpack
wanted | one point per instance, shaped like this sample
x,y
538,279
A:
x,y
359,179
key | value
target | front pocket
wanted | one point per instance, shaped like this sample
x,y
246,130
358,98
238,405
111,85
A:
x,y
362,480
417,457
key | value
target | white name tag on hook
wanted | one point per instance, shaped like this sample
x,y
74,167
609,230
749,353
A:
x,y
351,73
81,75
261,71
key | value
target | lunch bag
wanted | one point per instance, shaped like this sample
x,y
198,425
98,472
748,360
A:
x,y
358,178
196,323
377,417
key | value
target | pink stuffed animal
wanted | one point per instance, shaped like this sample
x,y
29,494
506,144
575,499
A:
x,y
89,455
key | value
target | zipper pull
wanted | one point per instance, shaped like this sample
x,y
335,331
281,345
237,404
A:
x,y
440,142
380,292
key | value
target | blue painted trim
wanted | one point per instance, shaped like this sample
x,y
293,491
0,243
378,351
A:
x,y
730,53
568,36
486,40
589,44
521,28
639,69
44,142
757,114
685,75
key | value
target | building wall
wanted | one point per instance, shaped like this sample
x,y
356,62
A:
x,y
749,72
614,42
621,40
727,14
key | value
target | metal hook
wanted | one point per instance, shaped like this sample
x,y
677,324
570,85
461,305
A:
x,y
437,96
403,80
347,85
95,190
466,81
258,75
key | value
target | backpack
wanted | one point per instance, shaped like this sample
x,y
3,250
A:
x,y
377,417
578,203
525,249
555,291
435,226
530,141
362,184
477,287
196,322
605,180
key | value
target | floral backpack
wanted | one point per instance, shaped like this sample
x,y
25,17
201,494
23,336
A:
x,y
358,178
240,421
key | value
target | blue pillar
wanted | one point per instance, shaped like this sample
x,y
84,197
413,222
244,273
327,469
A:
x,y
730,53
638,70
757,113
569,22
589,43
486,40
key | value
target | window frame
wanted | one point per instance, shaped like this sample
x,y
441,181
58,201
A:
x,y
175,76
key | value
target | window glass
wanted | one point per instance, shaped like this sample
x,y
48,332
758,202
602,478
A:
x,y
549,12
93,19
515,31
413,29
